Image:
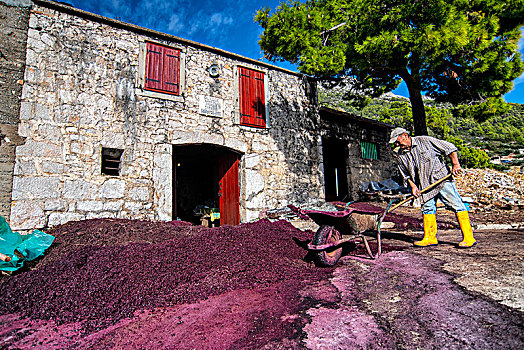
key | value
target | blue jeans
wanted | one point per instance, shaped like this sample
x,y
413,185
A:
x,y
449,196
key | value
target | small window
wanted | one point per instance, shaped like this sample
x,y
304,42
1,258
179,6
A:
x,y
111,161
162,69
252,98
369,150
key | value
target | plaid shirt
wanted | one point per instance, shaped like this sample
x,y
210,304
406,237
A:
x,y
424,163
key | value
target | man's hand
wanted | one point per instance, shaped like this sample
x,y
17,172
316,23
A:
x,y
457,170
415,191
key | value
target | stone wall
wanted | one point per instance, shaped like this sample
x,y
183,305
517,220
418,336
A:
x,y
82,92
14,19
353,130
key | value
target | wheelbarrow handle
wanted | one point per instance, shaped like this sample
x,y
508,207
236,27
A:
x,y
424,190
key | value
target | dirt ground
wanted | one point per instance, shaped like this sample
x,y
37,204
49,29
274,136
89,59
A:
x,y
406,301
261,290
434,297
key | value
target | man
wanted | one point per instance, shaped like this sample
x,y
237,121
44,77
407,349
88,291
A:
x,y
421,163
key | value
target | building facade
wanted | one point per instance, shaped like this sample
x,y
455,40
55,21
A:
x,y
115,120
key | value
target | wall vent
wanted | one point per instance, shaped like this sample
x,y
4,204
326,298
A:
x,y
111,161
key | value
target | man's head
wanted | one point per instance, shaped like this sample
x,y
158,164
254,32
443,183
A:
x,y
400,137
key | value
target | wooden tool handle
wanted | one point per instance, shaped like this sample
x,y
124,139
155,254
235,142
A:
x,y
5,258
424,190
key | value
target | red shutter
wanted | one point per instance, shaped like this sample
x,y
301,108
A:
x,y
154,60
171,70
245,96
259,104
162,69
252,98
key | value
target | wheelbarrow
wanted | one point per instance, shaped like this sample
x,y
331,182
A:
x,y
339,227
350,224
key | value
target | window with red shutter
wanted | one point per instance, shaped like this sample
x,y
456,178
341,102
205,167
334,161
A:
x,y
162,72
252,97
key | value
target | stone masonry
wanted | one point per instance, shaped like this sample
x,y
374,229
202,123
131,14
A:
x,y
14,19
81,92
353,130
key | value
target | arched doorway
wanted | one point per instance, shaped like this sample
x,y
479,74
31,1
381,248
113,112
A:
x,y
206,183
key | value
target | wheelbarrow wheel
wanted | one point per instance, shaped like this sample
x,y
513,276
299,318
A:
x,y
326,235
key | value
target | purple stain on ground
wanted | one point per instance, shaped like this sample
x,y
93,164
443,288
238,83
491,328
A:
x,y
428,303
405,301
119,284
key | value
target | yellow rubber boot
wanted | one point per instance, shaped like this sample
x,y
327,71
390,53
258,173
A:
x,y
467,232
430,231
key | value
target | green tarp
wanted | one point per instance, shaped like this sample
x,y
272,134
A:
x,y
30,246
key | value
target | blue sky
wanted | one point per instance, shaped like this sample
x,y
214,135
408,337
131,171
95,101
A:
x,y
225,24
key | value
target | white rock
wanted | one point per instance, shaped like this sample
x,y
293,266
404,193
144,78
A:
x,y
113,206
112,188
77,189
62,218
252,160
89,206
26,216
35,187
254,182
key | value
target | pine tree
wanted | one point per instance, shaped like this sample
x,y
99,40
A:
x,y
459,51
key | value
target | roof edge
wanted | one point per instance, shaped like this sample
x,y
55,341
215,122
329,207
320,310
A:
x,y
150,32
352,116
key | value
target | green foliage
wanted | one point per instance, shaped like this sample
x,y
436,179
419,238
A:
x,y
457,51
438,121
484,110
470,157
501,135
399,114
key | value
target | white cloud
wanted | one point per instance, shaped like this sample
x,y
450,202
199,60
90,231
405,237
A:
x,y
225,24
115,4
519,80
209,25
155,6
175,25
218,19
197,24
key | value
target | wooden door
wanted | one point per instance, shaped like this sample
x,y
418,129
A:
x,y
228,191
175,183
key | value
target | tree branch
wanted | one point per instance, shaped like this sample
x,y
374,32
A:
x,y
334,28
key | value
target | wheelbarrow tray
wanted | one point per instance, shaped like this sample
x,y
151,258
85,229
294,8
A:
x,y
338,227
349,221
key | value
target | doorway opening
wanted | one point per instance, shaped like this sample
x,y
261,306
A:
x,y
335,169
206,185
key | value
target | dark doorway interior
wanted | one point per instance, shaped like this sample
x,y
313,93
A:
x,y
198,171
335,169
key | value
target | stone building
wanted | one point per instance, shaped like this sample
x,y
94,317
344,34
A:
x,y
14,20
115,120
355,150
